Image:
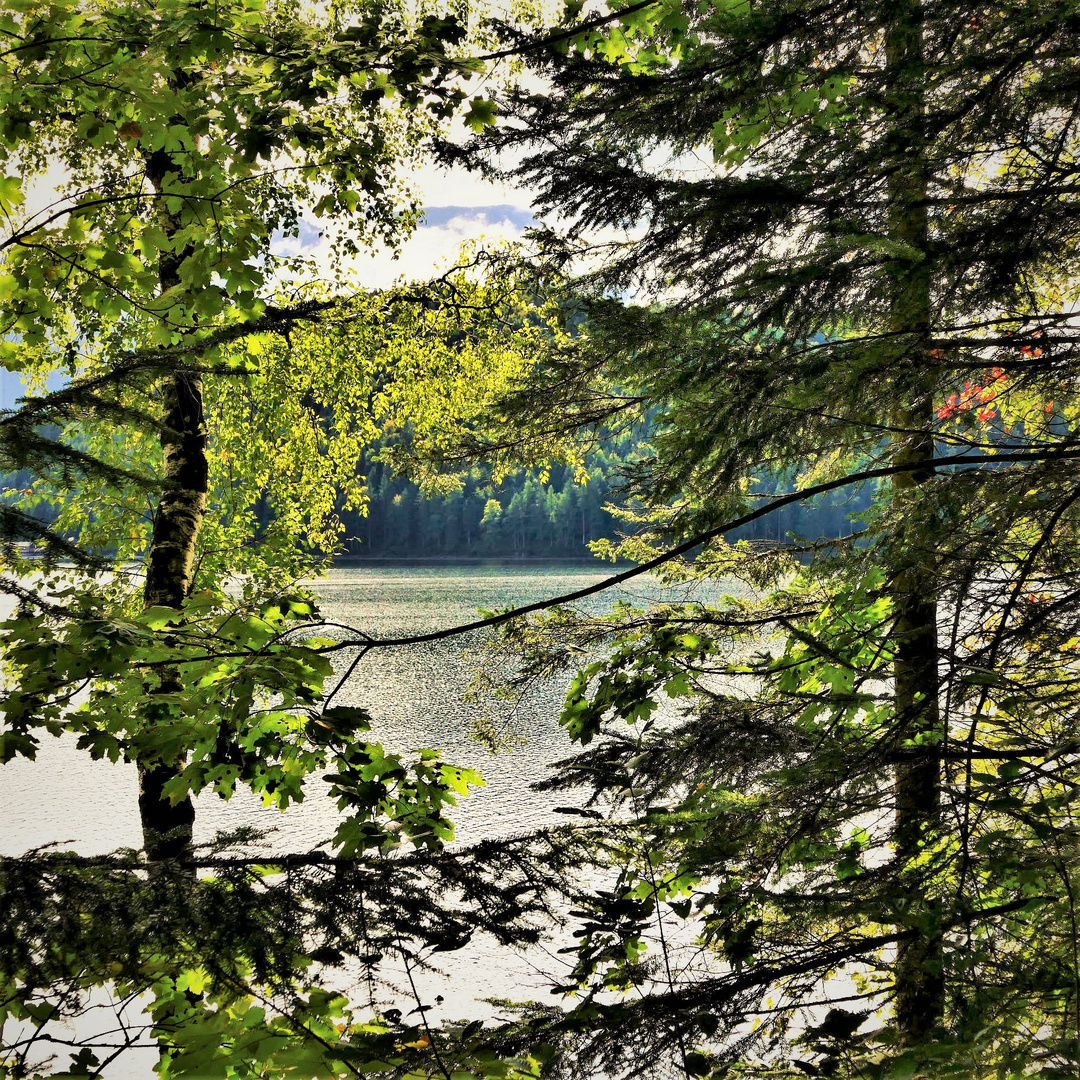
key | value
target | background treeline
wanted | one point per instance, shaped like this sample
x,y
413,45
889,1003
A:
x,y
527,516
521,517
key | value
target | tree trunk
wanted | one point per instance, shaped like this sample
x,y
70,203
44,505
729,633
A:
x,y
170,562
919,983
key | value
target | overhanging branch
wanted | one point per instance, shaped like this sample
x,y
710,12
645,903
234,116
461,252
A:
x,y
1066,453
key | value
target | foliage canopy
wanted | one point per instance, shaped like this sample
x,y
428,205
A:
x,y
840,239
836,240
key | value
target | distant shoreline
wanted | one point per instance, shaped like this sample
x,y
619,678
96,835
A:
x,y
476,560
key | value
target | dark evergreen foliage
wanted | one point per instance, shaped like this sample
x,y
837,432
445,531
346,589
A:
x,y
526,516
831,236
520,517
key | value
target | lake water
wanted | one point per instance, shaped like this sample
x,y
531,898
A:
x,y
415,695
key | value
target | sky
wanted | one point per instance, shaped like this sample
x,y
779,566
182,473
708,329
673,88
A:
x,y
459,207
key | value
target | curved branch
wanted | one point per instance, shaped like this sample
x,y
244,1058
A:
x,y
1071,452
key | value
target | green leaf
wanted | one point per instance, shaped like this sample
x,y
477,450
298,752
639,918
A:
x,y
481,114
11,194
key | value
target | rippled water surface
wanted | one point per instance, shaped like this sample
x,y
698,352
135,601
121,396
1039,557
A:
x,y
414,693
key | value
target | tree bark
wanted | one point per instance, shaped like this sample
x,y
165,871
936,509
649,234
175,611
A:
x,y
170,561
919,980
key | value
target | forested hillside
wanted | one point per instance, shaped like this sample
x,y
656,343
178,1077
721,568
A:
x,y
521,517
526,516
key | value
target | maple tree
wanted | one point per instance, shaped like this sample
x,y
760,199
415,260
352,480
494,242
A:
x,y
178,373
156,156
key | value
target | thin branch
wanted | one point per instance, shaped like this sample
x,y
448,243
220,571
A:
x,y
563,35
712,534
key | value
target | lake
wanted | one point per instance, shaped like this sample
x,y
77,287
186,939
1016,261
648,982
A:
x,y
415,695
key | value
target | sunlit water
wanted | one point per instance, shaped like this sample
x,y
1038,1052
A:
x,y
416,697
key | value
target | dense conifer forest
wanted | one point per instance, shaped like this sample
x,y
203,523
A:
x,y
528,516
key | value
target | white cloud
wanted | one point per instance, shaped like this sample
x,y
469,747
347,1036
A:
x,y
459,206
433,247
